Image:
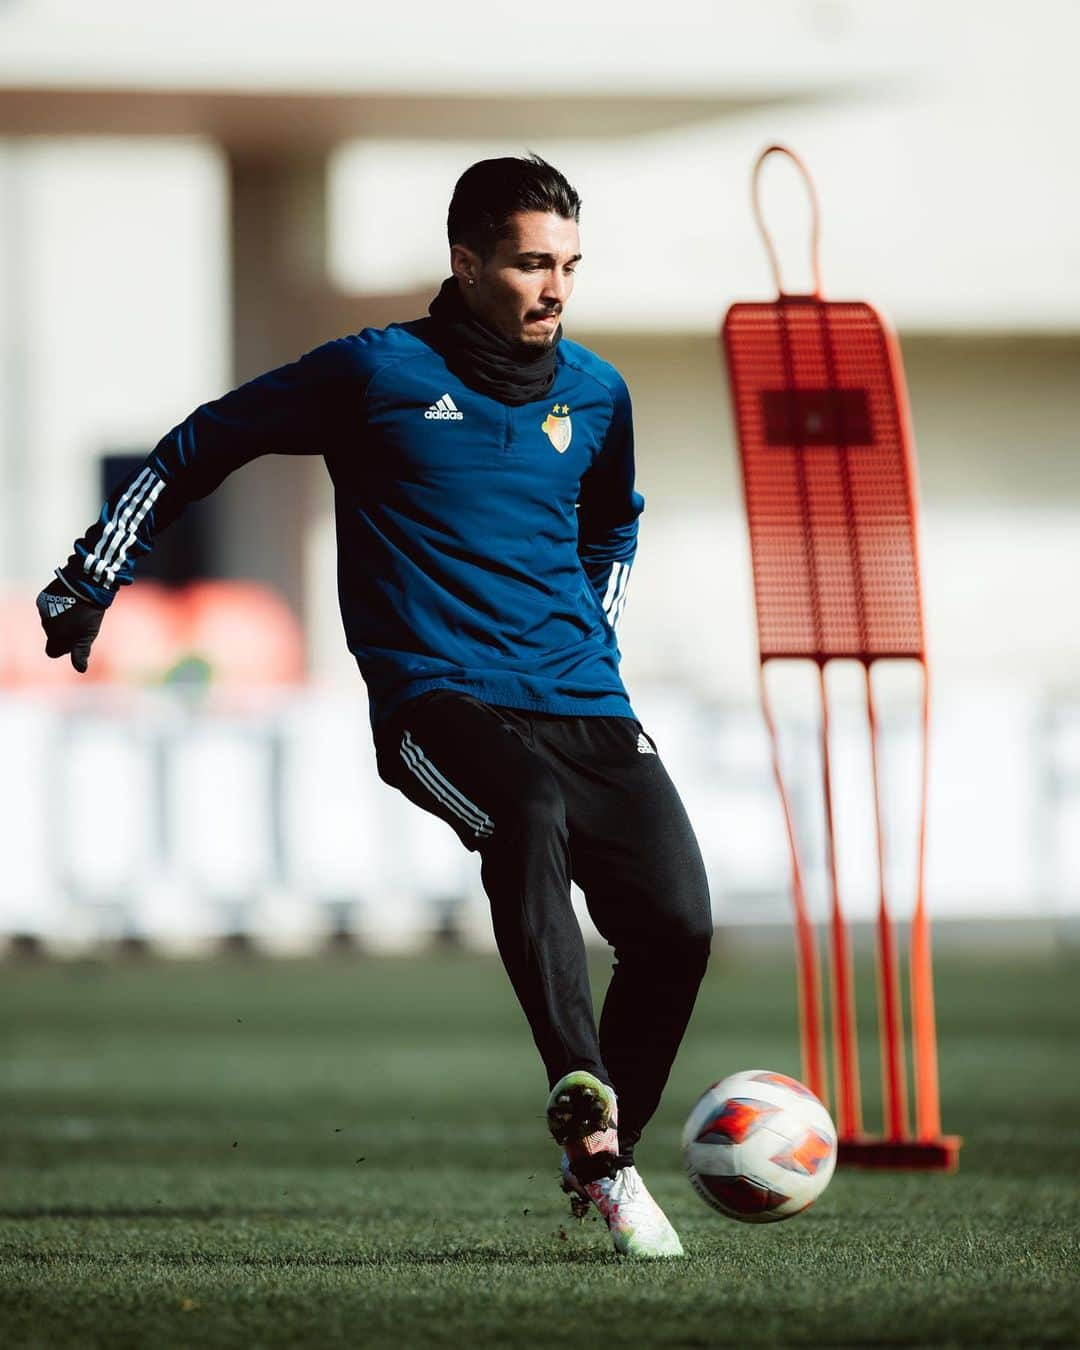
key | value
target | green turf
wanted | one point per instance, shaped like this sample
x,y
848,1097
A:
x,y
352,1153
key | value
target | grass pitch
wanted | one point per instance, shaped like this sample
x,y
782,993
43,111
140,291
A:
x,y
353,1153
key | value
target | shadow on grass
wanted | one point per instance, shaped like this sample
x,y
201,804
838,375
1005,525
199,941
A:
x,y
167,1212
393,1256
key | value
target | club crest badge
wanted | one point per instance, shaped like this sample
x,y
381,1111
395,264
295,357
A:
x,y
558,428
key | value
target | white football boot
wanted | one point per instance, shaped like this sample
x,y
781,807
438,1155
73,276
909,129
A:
x,y
583,1116
639,1228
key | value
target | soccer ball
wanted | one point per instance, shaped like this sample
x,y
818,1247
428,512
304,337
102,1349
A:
x,y
759,1146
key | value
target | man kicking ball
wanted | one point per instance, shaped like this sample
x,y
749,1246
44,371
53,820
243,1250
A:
x,y
487,520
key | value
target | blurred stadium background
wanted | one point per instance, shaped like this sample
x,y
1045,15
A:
x,y
191,195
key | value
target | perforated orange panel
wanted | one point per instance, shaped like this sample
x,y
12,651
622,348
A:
x,y
829,476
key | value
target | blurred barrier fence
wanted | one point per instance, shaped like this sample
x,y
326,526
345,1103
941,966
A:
x,y
180,820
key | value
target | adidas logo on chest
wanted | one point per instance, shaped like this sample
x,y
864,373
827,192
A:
x,y
444,410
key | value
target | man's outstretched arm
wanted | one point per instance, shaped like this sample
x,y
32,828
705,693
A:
x,y
608,512
292,410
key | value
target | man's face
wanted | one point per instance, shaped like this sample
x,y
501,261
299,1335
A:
x,y
522,289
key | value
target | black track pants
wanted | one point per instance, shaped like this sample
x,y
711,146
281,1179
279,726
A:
x,y
545,800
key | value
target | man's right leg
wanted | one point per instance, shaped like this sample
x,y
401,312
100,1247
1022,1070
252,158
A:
x,y
471,766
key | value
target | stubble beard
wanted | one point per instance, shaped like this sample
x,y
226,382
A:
x,y
530,345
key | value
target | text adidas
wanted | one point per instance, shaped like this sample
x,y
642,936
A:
x,y
444,410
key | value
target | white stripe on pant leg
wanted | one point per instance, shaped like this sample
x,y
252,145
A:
x,y
478,828
480,823
441,786
131,495
456,792
133,530
419,770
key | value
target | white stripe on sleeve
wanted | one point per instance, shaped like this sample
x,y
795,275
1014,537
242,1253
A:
x,y
616,597
616,614
133,529
613,581
127,503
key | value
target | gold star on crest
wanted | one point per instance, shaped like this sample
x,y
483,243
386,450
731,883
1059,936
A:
x,y
565,409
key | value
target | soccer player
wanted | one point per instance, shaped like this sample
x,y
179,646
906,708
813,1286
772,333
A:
x,y
487,522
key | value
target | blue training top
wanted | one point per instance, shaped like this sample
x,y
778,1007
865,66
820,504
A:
x,y
481,547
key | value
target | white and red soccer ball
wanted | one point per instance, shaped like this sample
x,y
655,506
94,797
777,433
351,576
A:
x,y
759,1146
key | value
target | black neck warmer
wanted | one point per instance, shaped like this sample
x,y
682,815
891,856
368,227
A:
x,y
484,359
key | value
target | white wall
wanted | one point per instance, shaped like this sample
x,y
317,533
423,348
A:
x,y
115,320
940,134
481,45
940,143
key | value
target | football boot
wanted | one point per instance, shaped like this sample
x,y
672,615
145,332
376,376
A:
x,y
639,1228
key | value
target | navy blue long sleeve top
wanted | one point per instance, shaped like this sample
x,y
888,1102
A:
x,y
481,547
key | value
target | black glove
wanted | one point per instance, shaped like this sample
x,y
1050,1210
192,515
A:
x,y
71,624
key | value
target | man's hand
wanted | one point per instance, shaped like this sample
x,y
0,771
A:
x,y
71,624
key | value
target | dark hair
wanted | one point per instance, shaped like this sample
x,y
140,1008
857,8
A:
x,y
489,192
